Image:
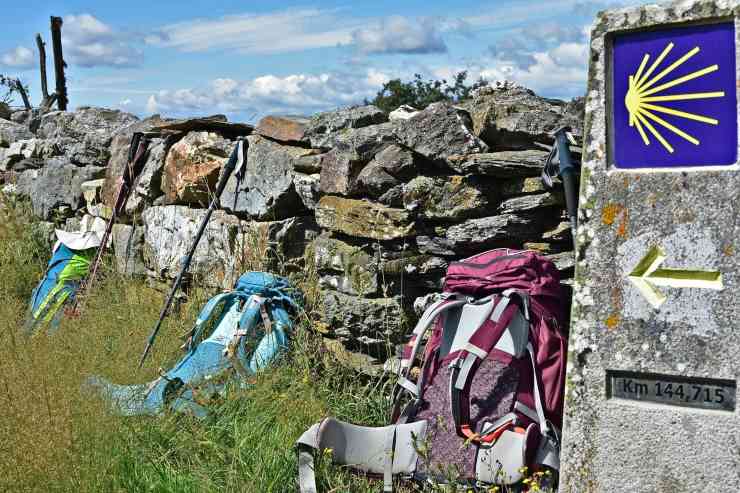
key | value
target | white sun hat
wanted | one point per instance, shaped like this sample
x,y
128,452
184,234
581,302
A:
x,y
90,234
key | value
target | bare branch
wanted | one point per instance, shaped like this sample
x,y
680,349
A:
x,y
22,91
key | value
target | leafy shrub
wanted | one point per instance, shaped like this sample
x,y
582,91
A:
x,y
420,93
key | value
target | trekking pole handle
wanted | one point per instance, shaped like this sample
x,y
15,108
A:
x,y
236,156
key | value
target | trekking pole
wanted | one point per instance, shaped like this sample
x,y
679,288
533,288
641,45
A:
x,y
560,163
236,159
568,175
136,152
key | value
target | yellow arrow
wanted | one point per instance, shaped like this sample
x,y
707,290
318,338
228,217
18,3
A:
x,y
646,276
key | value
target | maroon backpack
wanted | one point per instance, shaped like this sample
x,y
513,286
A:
x,y
485,400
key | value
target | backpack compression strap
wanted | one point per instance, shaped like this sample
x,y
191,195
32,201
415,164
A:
x,y
385,451
548,453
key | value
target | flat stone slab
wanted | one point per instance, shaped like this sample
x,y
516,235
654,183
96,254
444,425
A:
x,y
363,219
290,129
214,123
651,387
503,164
91,190
344,267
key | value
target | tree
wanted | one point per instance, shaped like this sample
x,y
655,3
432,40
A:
x,y
9,87
459,90
420,93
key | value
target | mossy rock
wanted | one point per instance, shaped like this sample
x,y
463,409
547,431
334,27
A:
x,y
5,111
450,198
520,186
344,267
363,219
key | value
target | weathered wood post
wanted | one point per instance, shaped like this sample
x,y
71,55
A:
x,y
59,64
651,402
42,69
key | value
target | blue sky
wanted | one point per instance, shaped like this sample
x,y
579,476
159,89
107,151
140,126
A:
x,y
293,57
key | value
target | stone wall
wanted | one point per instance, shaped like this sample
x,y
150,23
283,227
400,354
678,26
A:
x,y
374,206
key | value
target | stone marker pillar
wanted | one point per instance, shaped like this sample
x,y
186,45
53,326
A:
x,y
651,402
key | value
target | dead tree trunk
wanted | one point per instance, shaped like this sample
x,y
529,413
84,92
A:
x,y
59,65
22,91
42,68
46,101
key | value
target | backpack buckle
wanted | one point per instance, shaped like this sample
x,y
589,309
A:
x,y
487,437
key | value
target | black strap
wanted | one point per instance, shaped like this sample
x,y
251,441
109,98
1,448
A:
x,y
241,173
460,397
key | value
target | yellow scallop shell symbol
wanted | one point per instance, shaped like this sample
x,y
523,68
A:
x,y
643,93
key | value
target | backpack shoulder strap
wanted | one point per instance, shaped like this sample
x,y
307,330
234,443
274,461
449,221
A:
x,y
485,338
248,320
424,324
270,345
256,311
205,315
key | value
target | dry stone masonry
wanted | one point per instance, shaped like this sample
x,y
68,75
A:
x,y
377,207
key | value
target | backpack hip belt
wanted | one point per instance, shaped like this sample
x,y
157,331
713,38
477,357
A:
x,y
383,451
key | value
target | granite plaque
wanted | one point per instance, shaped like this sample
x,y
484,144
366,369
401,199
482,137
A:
x,y
671,390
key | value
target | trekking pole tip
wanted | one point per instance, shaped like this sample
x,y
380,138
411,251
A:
x,y
144,355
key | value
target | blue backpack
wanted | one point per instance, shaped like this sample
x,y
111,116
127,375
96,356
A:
x,y
252,328
58,288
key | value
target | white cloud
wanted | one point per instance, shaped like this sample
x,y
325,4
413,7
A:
x,y
152,106
224,87
398,34
520,45
376,78
19,57
270,94
301,29
549,77
89,42
457,25
274,32
559,72
570,54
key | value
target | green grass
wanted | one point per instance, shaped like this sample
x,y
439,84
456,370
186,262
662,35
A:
x,y
57,437
54,436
